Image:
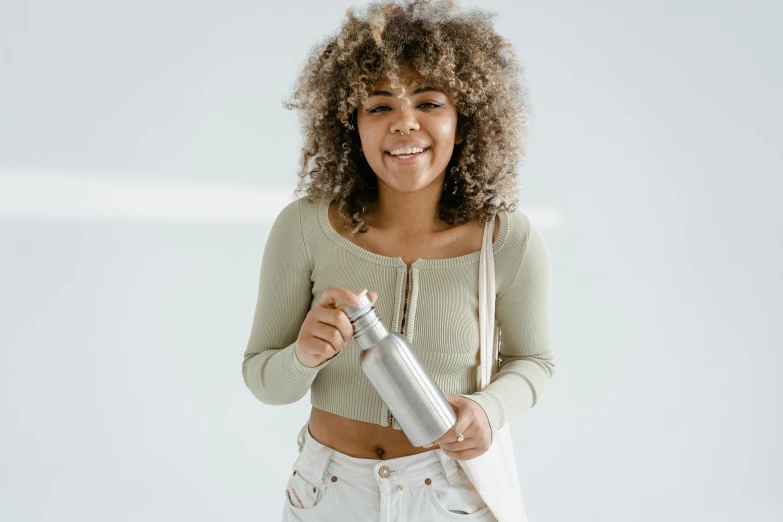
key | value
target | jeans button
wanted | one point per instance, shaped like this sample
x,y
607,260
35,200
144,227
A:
x,y
384,472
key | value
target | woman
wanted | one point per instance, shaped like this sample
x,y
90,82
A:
x,y
413,117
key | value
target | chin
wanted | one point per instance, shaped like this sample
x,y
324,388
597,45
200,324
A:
x,y
408,188
408,185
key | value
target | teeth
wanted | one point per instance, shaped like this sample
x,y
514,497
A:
x,y
406,151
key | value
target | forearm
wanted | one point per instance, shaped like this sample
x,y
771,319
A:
x,y
516,388
270,368
526,359
276,376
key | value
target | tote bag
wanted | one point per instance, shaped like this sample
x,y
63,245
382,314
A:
x,y
494,473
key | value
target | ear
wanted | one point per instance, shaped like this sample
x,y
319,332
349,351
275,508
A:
x,y
458,136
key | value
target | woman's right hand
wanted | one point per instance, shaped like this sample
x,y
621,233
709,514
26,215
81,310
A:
x,y
326,329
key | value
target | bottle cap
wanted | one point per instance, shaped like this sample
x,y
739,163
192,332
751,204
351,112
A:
x,y
354,312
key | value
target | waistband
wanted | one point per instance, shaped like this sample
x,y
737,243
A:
x,y
318,459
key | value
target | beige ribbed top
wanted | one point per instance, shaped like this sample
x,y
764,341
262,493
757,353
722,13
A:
x,y
304,255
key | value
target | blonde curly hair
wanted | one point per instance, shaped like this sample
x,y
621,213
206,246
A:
x,y
456,51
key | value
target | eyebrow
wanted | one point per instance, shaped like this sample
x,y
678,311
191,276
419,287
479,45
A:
x,y
417,91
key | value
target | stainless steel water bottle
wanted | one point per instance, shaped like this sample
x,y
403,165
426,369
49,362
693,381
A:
x,y
397,374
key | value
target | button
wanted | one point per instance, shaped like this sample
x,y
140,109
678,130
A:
x,y
334,479
384,472
428,482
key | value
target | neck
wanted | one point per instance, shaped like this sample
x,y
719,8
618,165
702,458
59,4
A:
x,y
409,213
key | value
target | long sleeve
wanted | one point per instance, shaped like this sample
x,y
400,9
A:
x,y
526,360
270,367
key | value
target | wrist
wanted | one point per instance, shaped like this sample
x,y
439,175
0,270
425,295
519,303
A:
x,y
307,362
313,361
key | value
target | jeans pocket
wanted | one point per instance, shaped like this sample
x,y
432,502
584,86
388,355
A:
x,y
459,500
301,493
304,491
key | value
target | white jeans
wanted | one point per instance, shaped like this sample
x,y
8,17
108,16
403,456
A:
x,y
329,486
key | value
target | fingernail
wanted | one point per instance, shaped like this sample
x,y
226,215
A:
x,y
428,445
358,297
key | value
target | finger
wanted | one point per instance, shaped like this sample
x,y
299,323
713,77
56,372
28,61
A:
x,y
343,324
452,435
464,455
332,294
468,443
335,318
460,427
456,401
330,334
464,419
374,297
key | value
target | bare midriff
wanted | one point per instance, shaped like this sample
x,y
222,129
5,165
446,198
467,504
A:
x,y
358,439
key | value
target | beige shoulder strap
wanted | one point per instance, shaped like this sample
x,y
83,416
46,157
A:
x,y
487,307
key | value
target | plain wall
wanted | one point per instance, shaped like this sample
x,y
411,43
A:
x,y
144,152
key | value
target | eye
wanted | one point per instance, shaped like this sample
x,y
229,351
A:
x,y
384,108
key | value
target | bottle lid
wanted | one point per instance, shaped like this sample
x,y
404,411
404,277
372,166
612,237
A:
x,y
353,312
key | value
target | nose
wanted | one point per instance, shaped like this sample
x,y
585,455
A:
x,y
405,122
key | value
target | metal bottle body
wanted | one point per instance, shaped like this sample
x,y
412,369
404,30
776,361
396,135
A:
x,y
403,383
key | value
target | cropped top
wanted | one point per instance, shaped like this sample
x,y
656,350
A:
x,y
304,255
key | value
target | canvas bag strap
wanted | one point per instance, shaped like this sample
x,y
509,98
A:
x,y
486,306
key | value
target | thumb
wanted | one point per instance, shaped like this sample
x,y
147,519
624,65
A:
x,y
454,400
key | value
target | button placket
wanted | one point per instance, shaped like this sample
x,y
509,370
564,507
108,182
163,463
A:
x,y
402,274
412,302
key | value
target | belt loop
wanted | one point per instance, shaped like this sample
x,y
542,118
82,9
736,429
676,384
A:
x,y
449,467
320,462
316,456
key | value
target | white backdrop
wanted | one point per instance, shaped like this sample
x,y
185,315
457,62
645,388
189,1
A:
x,y
144,152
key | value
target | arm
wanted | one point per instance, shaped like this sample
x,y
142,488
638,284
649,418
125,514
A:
x,y
526,361
270,368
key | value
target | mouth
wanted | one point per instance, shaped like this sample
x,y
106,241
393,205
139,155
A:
x,y
408,153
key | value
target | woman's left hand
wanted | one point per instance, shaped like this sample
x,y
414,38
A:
x,y
473,424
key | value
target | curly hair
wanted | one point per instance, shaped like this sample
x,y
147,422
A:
x,y
456,51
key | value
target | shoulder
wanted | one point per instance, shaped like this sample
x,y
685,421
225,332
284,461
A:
x,y
524,249
298,214
519,227
535,246
523,230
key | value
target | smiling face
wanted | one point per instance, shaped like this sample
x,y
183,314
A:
x,y
408,145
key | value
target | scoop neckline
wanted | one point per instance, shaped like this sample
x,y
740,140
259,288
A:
x,y
356,250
